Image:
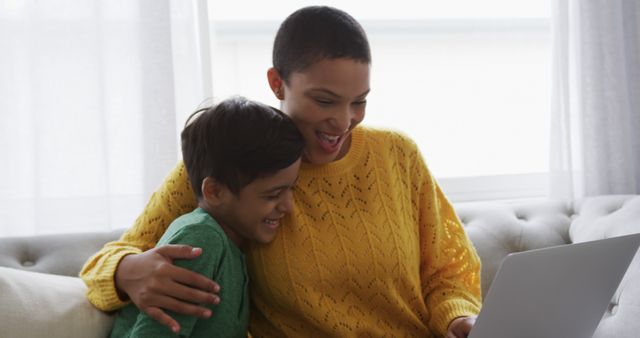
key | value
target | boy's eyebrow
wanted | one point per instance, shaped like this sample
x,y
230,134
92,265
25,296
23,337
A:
x,y
280,187
331,93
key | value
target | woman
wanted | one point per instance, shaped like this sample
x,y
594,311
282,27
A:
x,y
372,248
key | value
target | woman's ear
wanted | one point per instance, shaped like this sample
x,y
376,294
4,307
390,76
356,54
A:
x,y
213,192
276,83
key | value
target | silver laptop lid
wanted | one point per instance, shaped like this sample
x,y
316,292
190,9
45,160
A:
x,y
560,291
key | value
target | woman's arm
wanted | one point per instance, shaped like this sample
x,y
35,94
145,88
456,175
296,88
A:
x,y
194,235
450,267
121,271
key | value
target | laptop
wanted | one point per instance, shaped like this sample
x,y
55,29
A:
x,y
560,291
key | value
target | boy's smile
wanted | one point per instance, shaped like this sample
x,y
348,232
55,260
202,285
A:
x,y
255,213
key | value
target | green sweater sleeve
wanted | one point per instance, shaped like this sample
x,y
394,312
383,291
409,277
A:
x,y
206,264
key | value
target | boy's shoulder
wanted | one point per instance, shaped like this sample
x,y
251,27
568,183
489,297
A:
x,y
194,224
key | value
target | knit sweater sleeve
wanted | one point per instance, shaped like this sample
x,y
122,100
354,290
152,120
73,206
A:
x,y
172,199
450,266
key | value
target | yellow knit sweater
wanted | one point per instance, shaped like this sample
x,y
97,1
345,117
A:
x,y
373,248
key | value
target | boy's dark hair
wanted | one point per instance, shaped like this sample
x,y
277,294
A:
x,y
312,34
236,142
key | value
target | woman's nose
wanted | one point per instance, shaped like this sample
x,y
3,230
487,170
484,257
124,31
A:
x,y
342,119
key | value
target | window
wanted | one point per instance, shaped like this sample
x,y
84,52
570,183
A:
x,y
468,81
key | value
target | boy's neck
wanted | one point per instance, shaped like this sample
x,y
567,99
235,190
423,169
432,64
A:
x,y
228,230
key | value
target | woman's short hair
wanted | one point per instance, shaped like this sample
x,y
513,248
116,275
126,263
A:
x,y
312,34
237,141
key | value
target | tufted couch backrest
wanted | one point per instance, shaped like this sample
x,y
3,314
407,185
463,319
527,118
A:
x,y
499,229
495,228
62,254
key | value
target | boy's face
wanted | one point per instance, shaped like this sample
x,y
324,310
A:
x,y
254,214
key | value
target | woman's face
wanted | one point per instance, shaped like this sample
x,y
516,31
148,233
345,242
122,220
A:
x,y
326,101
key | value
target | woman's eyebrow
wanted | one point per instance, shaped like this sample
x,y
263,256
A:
x,y
365,93
324,90
331,93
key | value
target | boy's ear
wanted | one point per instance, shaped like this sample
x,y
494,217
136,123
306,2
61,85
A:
x,y
213,191
276,83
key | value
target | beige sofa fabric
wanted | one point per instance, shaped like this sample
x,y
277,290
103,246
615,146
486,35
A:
x,y
36,305
62,254
496,229
604,217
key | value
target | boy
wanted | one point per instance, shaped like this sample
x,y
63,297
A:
x,y
242,158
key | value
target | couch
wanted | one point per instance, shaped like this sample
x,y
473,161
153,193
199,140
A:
x,y
40,295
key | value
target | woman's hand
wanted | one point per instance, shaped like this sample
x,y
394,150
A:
x,y
460,327
154,284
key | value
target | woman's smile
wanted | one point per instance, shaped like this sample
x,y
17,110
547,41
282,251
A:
x,y
326,101
329,143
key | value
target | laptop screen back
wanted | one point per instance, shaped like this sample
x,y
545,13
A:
x,y
559,291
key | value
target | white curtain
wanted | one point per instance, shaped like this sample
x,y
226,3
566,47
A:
x,y
93,95
595,141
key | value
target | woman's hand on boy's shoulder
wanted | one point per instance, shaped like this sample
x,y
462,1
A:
x,y
154,284
460,327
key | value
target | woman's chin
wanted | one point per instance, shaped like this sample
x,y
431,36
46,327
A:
x,y
317,157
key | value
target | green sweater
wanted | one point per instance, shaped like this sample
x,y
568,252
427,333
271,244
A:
x,y
222,261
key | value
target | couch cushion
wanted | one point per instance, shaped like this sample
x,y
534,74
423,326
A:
x,y
42,305
498,229
609,216
605,216
62,254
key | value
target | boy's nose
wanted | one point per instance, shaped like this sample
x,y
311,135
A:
x,y
286,204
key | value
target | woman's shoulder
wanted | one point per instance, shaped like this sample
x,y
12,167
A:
x,y
388,136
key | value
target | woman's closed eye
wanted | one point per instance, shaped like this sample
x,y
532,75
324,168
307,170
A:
x,y
323,101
